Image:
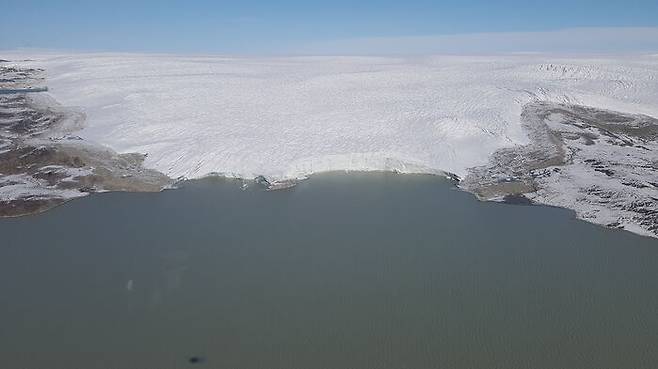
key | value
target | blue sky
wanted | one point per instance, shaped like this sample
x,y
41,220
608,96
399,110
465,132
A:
x,y
296,26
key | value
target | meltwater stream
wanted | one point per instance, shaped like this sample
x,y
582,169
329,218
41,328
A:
x,y
343,271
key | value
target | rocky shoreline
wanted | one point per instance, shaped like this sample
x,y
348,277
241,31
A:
x,y
43,163
600,163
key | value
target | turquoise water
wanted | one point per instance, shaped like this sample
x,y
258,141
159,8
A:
x,y
343,271
7,91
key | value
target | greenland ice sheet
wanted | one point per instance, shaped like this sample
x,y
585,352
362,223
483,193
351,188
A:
x,y
286,118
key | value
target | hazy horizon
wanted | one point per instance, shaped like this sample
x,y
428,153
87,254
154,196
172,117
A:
x,y
338,28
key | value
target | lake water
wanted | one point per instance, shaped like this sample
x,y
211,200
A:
x,y
343,271
9,91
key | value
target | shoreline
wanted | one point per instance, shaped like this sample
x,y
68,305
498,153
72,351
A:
x,y
246,184
44,164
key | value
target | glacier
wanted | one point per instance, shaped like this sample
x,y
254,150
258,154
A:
x,y
289,117
285,118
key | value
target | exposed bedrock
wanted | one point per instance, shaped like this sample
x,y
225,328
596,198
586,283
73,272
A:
x,y
43,163
602,164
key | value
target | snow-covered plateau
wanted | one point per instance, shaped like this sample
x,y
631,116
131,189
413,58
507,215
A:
x,y
284,118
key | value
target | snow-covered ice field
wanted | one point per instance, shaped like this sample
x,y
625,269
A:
x,y
288,117
285,118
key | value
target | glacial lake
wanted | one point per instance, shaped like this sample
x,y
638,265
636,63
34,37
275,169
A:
x,y
343,271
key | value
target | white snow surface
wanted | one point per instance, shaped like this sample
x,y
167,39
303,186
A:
x,y
288,117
